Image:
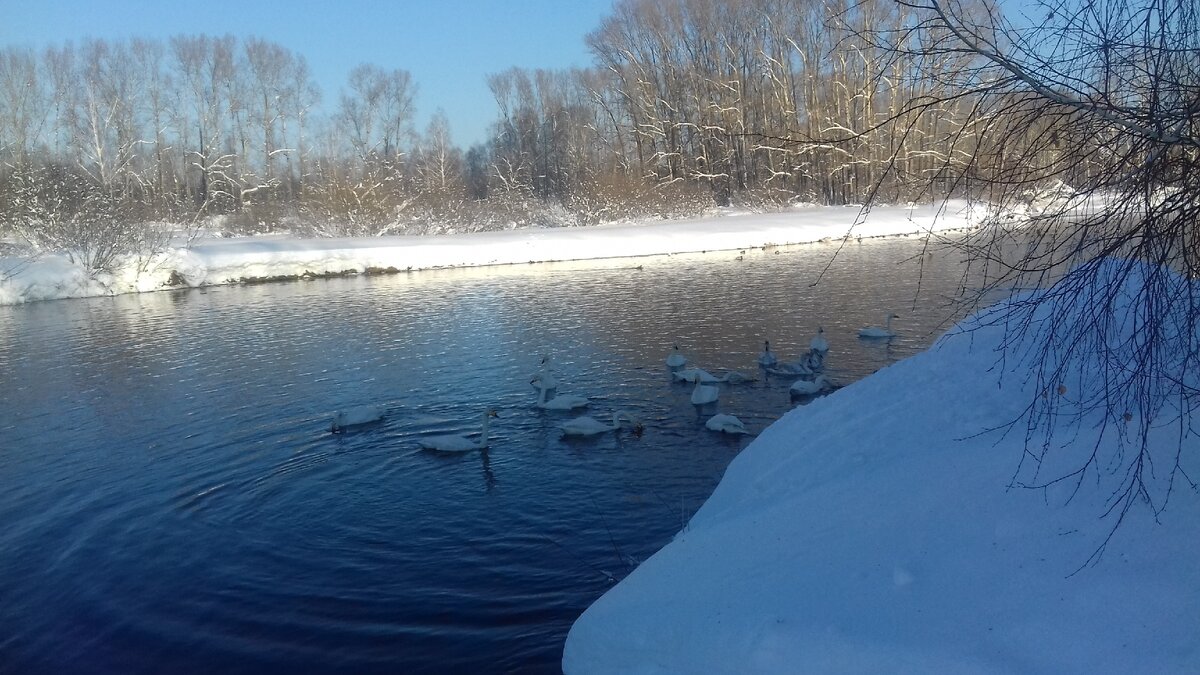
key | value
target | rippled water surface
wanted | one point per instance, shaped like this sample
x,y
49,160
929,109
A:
x,y
171,499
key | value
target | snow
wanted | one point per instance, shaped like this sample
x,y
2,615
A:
x,y
875,530
220,261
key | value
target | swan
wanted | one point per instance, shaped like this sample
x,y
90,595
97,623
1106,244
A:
x,y
727,424
810,387
693,375
459,442
590,426
543,379
702,375
561,402
791,369
814,360
819,343
734,377
676,359
705,393
353,417
766,359
877,332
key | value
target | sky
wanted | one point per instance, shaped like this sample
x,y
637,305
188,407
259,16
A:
x,y
449,46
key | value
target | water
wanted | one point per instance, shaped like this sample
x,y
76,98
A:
x,y
172,501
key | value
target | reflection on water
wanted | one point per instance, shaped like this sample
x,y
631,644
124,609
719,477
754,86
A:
x,y
173,502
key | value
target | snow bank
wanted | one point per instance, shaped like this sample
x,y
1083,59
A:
x,y
220,261
874,531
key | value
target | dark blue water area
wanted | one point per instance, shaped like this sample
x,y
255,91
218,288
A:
x,y
171,498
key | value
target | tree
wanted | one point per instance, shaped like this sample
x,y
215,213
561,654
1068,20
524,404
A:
x,y
1087,120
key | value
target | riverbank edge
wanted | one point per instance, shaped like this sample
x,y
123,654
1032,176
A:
x,y
266,259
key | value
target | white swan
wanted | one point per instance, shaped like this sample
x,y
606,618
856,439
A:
x,y
459,442
705,393
676,359
819,343
727,424
702,375
560,402
766,359
809,387
791,369
542,379
877,332
352,417
590,426
693,375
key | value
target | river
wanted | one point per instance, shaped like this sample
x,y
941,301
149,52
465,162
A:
x,y
172,499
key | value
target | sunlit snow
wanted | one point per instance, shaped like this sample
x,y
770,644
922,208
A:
x,y
211,261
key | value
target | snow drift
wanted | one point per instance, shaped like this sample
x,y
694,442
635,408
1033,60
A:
x,y
877,529
222,261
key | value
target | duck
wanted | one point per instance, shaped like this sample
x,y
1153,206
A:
x,y
819,343
676,359
358,416
560,402
542,379
877,332
766,359
726,424
590,426
814,360
459,442
810,387
705,393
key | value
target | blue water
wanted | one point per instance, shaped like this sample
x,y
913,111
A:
x,y
171,499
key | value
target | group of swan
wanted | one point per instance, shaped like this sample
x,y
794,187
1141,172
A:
x,y
543,381
705,392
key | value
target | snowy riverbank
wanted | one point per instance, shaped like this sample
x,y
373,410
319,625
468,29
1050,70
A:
x,y
873,531
212,261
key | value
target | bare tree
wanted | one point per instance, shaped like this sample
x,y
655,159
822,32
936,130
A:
x,y
1085,116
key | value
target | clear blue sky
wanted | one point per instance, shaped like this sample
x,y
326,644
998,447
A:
x,y
449,46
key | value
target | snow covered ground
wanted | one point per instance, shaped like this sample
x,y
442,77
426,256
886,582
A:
x,y
872,531
220,261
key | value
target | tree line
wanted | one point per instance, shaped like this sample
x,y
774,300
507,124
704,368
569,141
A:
x,y
688,104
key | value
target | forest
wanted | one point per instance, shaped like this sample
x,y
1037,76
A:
x,y
688,104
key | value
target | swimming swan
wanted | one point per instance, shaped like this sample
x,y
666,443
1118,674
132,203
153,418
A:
x,y
352,417
726,424
702,375
561,402
589,426
705,393
676,359
693,375
542,379
811,387
459,442
877,332
800,367
819,343
766,359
